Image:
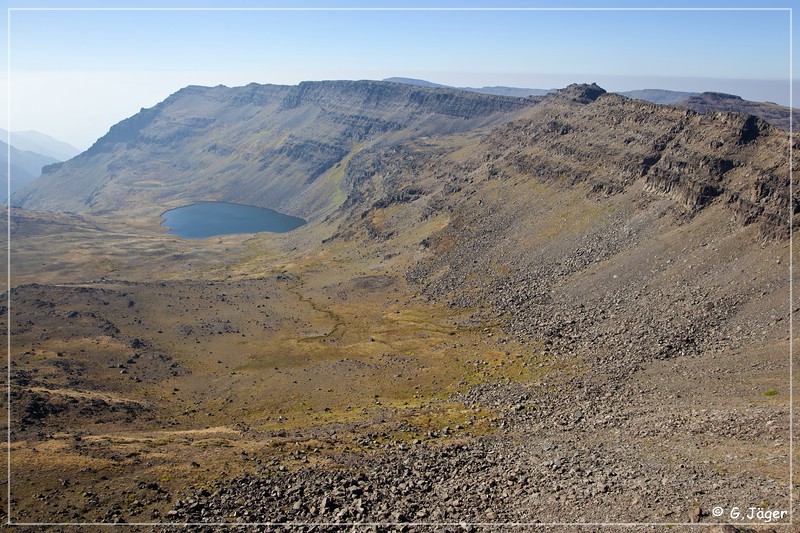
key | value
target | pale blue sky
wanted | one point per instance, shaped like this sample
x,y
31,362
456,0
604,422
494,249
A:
x,y
75,73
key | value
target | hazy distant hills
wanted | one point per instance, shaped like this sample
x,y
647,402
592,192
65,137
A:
x,y
34,141
701,102
517,92
25,167
284,147
657,96
30,152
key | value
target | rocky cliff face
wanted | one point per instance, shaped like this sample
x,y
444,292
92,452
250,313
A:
x,y
619,231
581,139
776,115
273,146
615,143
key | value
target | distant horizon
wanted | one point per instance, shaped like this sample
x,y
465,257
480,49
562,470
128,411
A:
x,y
72,73
759,87
82,143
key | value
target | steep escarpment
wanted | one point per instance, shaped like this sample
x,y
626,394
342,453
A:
x,y
272,146
615,230
694,159
582,139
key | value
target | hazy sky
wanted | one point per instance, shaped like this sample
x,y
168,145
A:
x,y
74,73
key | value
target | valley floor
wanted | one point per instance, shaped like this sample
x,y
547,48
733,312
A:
x,y
265,380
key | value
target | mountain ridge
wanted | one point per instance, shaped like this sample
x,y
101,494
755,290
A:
x,y
736,162
290,147
279,145
775,114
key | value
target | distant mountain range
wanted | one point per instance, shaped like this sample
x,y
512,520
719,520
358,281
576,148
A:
x,y
517,92
659,96
773,113
25,167
34,141
30,152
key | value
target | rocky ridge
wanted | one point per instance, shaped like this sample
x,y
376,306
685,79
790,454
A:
x,y
776,115
270,146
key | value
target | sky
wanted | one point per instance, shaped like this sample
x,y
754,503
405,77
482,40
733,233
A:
x,y
73,69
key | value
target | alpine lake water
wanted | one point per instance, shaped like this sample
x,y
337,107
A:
x,y
208,219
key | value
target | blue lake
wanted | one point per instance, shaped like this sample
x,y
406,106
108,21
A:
x,y
207,219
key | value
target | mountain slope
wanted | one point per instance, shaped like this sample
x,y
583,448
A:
x,y
615,230
633,257
272,146
582,135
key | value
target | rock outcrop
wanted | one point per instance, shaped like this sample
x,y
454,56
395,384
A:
x,y
776,115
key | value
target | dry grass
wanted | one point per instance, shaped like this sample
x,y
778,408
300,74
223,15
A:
x,y
338,344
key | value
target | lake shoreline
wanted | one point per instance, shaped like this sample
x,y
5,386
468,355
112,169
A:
x,y
204,219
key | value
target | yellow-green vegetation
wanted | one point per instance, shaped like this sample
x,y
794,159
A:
x,y
147,184
330,191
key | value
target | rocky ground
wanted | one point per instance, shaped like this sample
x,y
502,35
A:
x,y
531,327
